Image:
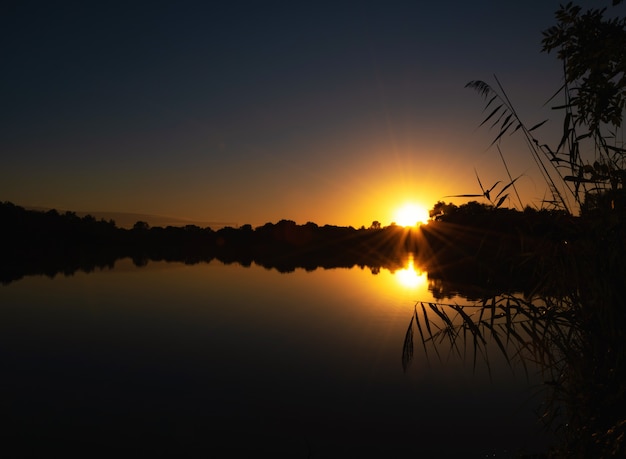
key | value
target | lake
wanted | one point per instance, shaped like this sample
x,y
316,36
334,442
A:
x,y
222,360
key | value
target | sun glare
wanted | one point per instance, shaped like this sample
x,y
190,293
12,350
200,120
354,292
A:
x,y
410,276
411,215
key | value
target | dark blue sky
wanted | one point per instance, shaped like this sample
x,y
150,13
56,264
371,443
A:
x,y
333,112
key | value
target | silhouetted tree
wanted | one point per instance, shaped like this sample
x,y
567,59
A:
x,y
442,208
141,226
591,48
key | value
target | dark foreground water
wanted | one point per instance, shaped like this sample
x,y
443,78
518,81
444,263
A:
x,y
214,360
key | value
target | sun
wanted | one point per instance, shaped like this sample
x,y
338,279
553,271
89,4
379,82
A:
x,y
411,215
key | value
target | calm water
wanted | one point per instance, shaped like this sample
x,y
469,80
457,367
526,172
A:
x,y
214,360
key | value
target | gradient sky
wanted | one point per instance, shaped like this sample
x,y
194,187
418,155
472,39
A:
x,y
251,112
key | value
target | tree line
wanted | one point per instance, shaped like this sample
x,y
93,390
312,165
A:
x,y
38,242
474,244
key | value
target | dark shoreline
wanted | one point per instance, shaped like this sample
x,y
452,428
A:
x,y
476,252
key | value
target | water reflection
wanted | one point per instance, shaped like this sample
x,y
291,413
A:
x,y
240,347
579,362
173,357
410,276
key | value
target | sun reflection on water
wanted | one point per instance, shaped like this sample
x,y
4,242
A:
x,y
410,276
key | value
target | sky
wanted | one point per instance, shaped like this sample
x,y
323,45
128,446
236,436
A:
x,y
251,112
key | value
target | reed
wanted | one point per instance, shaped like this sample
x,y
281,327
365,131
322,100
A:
x,y
572,326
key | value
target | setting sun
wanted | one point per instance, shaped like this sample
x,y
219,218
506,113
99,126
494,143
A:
x,y
411,215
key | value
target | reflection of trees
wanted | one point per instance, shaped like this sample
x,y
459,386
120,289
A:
x,y
475,250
